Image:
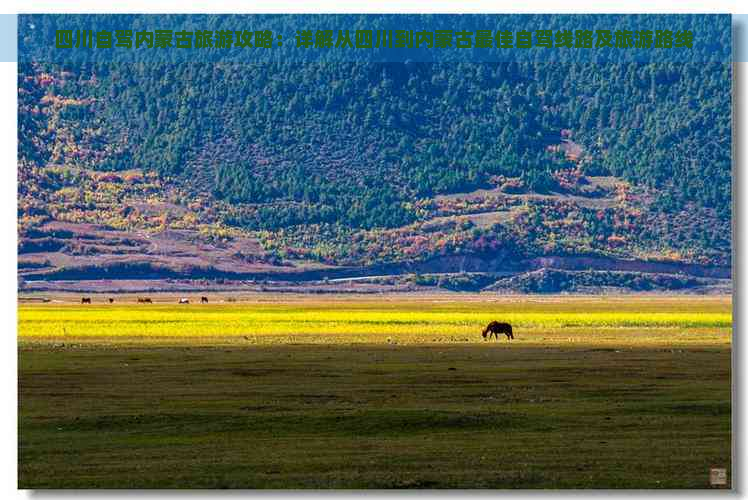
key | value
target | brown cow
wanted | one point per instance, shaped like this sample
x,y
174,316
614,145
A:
x,y
495,328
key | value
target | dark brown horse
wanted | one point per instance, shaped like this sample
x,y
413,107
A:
x,y
495,328
203,300
86,300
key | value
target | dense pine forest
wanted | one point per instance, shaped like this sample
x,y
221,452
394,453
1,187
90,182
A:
x,y
361,164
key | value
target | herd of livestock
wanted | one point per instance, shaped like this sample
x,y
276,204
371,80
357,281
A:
x,y
147,300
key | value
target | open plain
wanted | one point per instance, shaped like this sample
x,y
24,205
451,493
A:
x,y
387,392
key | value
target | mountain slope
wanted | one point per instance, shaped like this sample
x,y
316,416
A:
x,y
317,166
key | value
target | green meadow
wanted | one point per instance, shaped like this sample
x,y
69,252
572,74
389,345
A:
x,y
393,392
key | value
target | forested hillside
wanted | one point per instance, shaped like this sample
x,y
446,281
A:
x,y
354,164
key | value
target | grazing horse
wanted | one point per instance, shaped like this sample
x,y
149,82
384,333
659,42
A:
x,y
203,300
111,300
495,328
184,301
86,300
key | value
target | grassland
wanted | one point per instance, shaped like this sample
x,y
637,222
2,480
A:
x,y
388,393
635,321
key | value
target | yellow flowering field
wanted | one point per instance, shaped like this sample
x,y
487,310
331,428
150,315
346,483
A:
x,y
690,320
